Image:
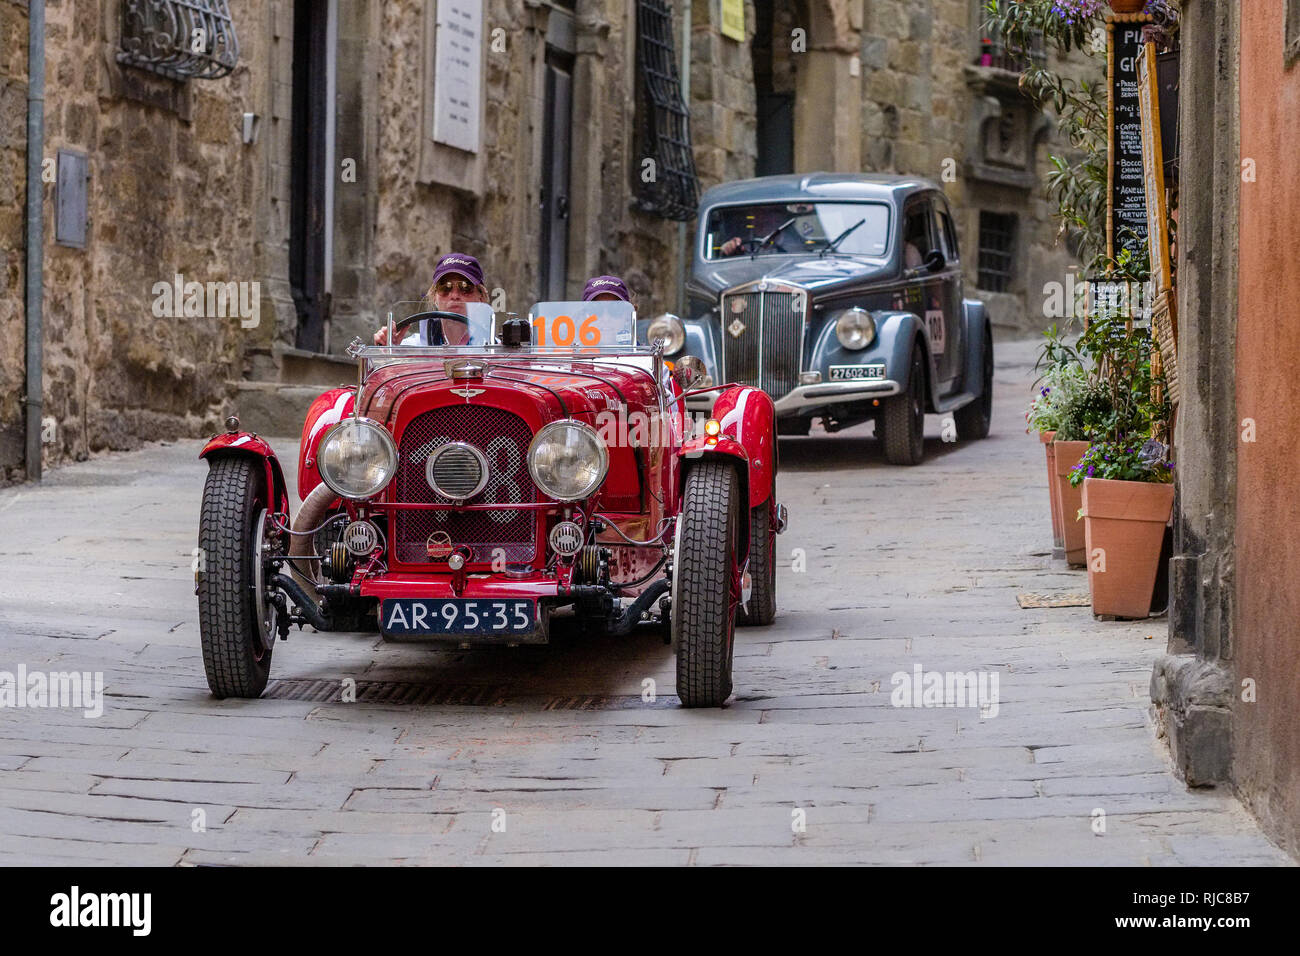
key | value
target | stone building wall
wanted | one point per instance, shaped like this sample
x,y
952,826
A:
x,y
169,192
13,196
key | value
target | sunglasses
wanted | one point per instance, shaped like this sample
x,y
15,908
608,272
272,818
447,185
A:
x,y
444,286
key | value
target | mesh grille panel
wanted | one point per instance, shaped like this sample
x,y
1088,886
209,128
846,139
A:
x,y
503,438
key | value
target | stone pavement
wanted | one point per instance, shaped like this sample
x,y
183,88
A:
x,y
555,745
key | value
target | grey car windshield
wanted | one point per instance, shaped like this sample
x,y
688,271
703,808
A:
x,y
808,227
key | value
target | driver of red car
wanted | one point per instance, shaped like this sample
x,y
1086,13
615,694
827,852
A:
x,y
457,280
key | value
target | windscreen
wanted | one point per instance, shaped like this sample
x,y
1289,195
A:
x,y
582,325
766,229
474,329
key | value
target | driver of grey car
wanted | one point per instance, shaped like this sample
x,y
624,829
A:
x,y
457,280
762,224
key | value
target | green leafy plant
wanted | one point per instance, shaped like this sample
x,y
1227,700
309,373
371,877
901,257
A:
x,y
1119,461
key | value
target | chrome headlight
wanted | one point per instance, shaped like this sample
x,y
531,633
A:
x,y
357,458
855,328
567,460
669,330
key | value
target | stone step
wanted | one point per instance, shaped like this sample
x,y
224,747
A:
x,y
273,409
299,367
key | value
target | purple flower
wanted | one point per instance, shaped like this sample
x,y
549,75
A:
x,y
1092,470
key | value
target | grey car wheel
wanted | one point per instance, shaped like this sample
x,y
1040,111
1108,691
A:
x,y
903,419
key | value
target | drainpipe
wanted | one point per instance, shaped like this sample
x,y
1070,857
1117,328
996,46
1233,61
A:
x,y
685,260
34,239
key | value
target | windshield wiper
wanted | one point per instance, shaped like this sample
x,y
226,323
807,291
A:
x,y
830,247
772,235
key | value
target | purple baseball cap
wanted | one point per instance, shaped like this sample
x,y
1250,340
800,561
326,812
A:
x,y
460,264
598,284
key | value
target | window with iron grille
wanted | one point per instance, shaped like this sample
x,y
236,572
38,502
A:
x,y
997,250
181,39
668,187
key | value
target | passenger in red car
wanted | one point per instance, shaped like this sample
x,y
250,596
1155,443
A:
x,y
457,280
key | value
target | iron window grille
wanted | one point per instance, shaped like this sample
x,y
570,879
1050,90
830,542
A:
x,y
180,39
997,250
664,127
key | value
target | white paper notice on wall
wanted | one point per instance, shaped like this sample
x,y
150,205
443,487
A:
x,y
457,74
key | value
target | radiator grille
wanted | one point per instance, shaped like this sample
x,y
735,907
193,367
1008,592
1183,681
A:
x,y
503,438
762,339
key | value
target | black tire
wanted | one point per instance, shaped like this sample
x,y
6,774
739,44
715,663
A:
x,y
762,570
973,420
793,426
235,659
903,419
704,584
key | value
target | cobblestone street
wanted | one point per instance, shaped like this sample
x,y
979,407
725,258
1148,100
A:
x,y
555,746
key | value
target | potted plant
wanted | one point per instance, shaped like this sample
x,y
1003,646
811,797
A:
x,y
1127,497
1057,388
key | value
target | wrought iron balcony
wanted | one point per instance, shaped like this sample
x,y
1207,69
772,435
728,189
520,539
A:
x,y
181,39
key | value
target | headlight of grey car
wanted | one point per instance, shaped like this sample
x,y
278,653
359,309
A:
x,y
357,458
568,460
855,328
669,330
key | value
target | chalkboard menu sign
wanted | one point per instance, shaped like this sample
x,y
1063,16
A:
x,y
1126,202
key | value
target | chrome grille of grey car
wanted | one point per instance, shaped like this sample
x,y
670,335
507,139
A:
x,y
503,438
762,338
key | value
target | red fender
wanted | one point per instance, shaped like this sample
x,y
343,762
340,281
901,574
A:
x,y
251,446
748,416
329,409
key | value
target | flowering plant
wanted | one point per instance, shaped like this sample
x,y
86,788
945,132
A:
x,y
1120,461
1058,389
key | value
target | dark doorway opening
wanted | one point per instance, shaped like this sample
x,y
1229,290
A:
x,y
557,137
307,183
774,23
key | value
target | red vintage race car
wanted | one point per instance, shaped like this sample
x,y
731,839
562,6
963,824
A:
x,y
471,492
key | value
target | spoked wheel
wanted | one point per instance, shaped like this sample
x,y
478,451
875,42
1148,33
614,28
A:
x,y
903,420
761,608
706,584
238,615
973,420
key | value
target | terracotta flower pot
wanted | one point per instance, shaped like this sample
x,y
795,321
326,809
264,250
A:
x,y
1127,6
1068,500
1124,527
1050,450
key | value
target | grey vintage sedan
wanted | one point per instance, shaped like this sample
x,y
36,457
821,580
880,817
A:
x,y
841,297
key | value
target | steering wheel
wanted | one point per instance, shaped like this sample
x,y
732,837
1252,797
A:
x,y
421,316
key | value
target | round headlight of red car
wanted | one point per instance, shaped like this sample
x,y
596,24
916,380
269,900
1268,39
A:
x,y
357,458
568,460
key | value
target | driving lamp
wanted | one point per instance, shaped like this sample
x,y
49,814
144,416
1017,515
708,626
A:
x,y
668,330
357,458
567,460
855,328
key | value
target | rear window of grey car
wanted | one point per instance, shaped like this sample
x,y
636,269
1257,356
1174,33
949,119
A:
x,y
809,227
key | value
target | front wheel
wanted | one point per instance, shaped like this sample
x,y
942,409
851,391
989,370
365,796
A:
x,y
706,584
903,418
238,620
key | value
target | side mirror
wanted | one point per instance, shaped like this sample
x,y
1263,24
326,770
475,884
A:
x,y
934,261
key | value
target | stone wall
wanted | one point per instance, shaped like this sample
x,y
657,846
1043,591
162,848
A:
x,y
169,192
13,197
